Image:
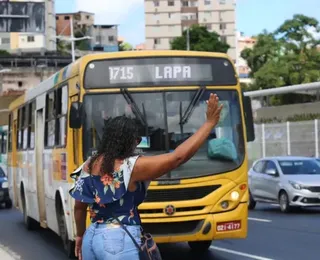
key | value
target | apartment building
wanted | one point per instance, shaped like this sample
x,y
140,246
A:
x,y
167,19
27,26
243,42
104,38
81,20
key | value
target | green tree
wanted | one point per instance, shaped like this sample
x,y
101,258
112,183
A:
x,y
200,40
82,45
287,56
125,46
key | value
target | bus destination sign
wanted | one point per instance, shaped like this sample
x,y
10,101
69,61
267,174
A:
x,y
171,71
159,73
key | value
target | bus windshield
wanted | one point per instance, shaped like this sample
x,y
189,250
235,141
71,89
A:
x,y
166,119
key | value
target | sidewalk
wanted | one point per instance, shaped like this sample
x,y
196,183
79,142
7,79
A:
x,y
5,255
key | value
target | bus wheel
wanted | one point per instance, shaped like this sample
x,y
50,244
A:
x,y
68,245
251,203
30,223
200,246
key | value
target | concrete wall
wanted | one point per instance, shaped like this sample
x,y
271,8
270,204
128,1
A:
x,y
283,112
5,41
20,79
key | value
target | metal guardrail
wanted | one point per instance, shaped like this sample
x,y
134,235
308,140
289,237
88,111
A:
x,y
47,61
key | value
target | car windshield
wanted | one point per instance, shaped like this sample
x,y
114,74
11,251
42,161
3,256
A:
x,y
166,119
300,167
2,174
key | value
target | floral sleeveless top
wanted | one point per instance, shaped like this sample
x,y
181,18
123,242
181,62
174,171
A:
x,y
108,196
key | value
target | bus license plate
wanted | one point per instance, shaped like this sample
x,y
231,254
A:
x,y
228,226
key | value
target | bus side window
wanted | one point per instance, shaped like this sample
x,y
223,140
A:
x,y
10,134
24,127
50,122
31,124
61,116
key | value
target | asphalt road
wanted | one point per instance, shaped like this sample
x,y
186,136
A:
x,y
272,236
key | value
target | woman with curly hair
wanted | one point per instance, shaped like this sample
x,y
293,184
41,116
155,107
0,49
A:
x,y
113,184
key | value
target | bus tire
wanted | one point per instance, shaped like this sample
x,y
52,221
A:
x,y
68,245
29,223
251,203
200,246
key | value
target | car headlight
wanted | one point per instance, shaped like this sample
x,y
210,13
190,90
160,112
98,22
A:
x,y
5,185
295,185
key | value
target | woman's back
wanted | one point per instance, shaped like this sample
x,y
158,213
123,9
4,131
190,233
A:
x,y
108,195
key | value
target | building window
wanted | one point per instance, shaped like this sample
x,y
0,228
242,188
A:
x,y
88,17
222,2
98,38
67,17
223,26
111,38
194,4
207,2
156,3
57,18
170,3
5,40
209,27
223,38
185,3
30,39
157,41
20,84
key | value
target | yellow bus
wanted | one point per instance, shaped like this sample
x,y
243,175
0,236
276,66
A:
x,y
56,126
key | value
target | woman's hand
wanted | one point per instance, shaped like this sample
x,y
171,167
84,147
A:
x,y
213,110
78,247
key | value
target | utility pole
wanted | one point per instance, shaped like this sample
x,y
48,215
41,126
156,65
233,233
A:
x,y
188,39
72,42
72,39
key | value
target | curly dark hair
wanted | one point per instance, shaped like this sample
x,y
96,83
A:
x,y
119,141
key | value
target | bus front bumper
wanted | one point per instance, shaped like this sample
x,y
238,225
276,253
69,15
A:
x,y
213,226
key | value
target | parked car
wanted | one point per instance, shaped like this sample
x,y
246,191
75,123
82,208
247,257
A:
x,y
287,181
4,191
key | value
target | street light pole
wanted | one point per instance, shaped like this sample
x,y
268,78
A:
x,y
188,39
72,42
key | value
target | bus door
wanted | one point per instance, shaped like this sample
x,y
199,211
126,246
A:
x,y
39,147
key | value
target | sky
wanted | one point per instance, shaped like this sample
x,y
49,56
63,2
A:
x,y
253,16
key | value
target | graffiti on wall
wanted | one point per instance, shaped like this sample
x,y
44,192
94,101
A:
x,y
22,16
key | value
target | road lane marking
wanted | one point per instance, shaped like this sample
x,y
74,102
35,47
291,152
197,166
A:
x,y
260,220
7,254
256,257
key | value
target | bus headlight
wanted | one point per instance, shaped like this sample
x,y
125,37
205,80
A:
x,y
235,195
5,185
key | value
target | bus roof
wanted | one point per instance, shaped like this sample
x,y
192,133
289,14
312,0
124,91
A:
x,y
74,68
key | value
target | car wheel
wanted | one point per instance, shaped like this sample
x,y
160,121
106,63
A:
x,y
8,204
200,246
251,203
284,202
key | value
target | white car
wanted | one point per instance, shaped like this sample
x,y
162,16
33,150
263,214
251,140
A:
x,y
287,181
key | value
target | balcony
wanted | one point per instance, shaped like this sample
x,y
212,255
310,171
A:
x,y
189,9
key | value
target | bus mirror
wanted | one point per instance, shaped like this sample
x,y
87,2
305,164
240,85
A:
x,y
75,117
248,118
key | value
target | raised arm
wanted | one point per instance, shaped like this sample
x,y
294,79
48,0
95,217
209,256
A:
x,y
152,167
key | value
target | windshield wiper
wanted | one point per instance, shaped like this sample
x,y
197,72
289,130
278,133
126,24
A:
x,y
194,102
135,107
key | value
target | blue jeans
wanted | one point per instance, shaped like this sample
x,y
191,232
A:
x,y
104,242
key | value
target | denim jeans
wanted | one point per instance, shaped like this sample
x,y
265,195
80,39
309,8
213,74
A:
x,y
104,242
